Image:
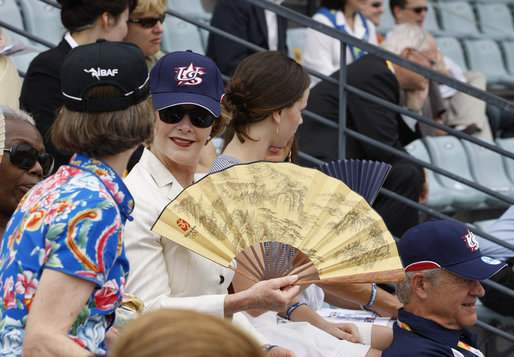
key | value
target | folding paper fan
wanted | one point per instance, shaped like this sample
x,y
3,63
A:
x,y
362,176
2,135
277,219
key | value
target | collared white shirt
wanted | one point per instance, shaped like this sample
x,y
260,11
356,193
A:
x,y
272,25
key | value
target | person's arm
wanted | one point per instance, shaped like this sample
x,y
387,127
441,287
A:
x,y
59,299
385,304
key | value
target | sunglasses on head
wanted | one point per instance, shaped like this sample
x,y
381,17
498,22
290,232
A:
x,y
199,117
148,22
25,157
376,4
418,10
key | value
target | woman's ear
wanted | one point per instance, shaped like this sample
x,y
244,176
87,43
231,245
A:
x,y
106,21
276,116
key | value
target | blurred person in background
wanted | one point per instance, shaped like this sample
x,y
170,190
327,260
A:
x,y
373,10
10,87
145,28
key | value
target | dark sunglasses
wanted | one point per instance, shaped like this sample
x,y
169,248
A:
x,y
418,10
148,22
25,157
376,4
199,117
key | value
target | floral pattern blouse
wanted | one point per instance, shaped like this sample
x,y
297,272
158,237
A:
x,y
71,222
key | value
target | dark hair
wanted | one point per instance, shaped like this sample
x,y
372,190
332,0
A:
x,y
104,133
79,14
263,83
334,4
394,3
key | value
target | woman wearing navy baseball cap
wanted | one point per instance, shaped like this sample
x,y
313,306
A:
x,y
62,260
187,89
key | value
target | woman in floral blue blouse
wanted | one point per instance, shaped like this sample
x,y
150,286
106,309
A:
x,y
62,259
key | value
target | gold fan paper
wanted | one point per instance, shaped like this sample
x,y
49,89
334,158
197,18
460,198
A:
x,y
2,135
249,204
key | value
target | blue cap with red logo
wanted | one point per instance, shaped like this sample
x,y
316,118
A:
x,y
185,77
445,244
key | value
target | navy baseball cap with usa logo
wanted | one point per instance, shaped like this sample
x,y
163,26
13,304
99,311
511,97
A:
x,y
445,244
118,64
186,77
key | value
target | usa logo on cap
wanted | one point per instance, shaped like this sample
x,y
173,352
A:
x,y
189,76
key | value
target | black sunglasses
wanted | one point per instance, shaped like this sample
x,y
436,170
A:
x,y
376,4
148,22
25,157
199,117
418,10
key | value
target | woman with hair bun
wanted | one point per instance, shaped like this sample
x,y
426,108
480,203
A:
x,y
86,21
264,101
62,259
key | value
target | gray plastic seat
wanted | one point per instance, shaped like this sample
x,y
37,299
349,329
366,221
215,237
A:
x,y
452,48
43,20
430,23
180,35
508,163
485,56
192,8
495,20
482,163
439,196
458,19
508,51
448,153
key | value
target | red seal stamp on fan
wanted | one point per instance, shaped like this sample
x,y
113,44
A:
x,y
183,224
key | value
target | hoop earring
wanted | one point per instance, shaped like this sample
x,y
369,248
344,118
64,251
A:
x,y
278,130
208,139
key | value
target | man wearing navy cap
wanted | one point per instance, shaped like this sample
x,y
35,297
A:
x,y
443,265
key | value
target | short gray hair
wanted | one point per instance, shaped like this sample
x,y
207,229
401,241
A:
x,y
404,289
16,114
406,36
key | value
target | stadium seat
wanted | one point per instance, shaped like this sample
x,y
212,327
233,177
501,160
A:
x,y
485,56
448,153
508,163
458,19
452,48
508,51
42,20
495,20
439,198
430,24
180,35
296,42
191,8
386,20
483,162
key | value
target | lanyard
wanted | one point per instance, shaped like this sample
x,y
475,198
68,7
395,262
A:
x,y
330,14
460,344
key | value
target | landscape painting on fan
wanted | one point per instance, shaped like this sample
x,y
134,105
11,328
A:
x,y
277,219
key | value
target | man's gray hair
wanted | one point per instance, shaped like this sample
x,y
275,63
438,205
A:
x,y
404,289
16,114
406,36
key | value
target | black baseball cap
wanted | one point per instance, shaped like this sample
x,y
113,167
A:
x,y
120,64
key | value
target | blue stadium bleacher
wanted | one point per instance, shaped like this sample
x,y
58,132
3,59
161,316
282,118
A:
x,y
190,7
451,47
485,56
42,20
508,51
431,24
180,35
439,197
458,19
495,20
448,153
508,164
482,162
